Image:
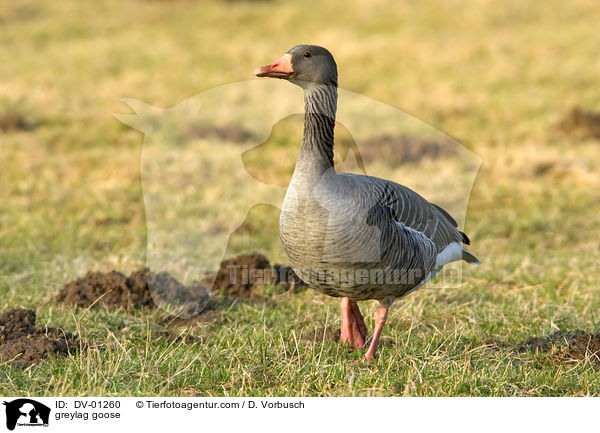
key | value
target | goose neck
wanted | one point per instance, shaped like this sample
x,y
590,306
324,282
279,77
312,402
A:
x,y
316,152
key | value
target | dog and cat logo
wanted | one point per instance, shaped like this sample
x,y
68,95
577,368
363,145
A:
x,y
26,412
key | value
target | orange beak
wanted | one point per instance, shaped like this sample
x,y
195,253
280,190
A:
x,y
280,68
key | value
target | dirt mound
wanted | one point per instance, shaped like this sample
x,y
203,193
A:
x,y
142,289
581,123
166,290
238,275
25,343
111,289
567,345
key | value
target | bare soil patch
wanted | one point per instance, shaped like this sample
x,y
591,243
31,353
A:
x,y
567,345
399,149
25,343
545,343
581,123
584,346
231,133
14,122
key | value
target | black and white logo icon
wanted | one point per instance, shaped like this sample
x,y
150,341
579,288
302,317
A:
x,y
26,412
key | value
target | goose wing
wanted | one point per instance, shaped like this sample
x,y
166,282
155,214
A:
x,y
411,210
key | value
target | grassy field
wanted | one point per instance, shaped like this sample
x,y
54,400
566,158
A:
x,y
497,78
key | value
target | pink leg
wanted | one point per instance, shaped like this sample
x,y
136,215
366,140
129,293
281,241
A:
x,y
354,331
380,318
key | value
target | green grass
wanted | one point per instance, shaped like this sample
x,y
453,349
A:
x,y
495,77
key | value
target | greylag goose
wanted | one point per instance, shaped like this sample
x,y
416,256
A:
x,y
354,236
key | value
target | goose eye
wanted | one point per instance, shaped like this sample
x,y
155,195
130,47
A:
x,y
307,54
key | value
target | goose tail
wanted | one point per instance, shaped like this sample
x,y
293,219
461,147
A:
x,y
469,257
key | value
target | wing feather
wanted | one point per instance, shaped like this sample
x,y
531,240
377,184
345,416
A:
x,y
412,210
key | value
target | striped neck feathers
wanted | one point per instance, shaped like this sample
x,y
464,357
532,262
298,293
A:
x,y
316,152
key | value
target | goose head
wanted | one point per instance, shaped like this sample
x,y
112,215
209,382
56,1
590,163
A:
x,y
303,65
